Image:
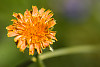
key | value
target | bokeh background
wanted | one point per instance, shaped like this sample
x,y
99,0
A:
x,y
78,23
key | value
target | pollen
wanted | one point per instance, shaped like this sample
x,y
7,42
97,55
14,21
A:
x,y
33,30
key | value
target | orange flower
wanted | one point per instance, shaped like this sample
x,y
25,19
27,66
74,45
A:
x,y
33,30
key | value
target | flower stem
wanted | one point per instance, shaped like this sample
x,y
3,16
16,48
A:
x,y
71,50
66,51
40,62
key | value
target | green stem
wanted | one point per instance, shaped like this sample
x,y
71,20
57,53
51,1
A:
x,y
40,62
67,51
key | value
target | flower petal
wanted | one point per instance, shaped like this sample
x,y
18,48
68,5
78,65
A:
x,y
12,33
35,11
52,36
10,27
17,38
45,14
51,23
31,49
31,52
29,40
38,47
42,45
27,14
46,43
14,21
19,27
21,16
23,45
53,33
16,15
19,43
49,16
41,11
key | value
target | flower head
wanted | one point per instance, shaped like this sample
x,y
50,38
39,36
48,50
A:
x,y
33,29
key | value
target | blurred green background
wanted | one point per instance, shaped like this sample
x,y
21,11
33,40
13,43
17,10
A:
x,y
78,23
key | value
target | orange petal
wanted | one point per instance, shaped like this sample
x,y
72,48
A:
x,y
31,52
15,21
19,31
19,43
20,27
20,20
49,16
42,45
35,11
10,27
31,47
38,47
16,15
23,46
29,40
12,33
51,23
46,43
27,13
45,14
41,11
53,33
21,16
53,37
17,38
50,41
27,16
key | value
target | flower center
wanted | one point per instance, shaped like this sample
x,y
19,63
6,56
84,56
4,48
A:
x,y
34,30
